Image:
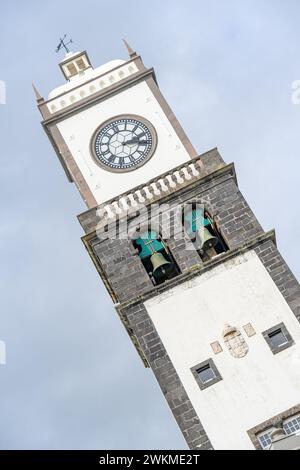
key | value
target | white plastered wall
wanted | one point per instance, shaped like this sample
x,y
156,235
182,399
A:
x,y
254,388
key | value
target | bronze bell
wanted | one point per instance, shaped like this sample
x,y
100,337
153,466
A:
x,y
161,267
207,240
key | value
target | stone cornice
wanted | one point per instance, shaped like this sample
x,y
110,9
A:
x,y
93,98
199,269
88,81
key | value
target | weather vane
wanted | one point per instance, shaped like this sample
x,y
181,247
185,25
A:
x,y
63,44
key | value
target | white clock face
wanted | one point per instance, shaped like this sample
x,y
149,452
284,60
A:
x,y
124,143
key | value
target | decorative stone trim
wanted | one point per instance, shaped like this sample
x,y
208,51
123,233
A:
x,y
275,421
94,85
216,347
249,330
235,342
152,191
156,189
187,275
88,97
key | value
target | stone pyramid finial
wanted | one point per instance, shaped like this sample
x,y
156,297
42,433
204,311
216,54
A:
x,y
38,96
131,52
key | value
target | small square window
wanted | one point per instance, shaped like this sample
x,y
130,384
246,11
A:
x,y
80,64
292,425
206,374
72,69
278,338
264,438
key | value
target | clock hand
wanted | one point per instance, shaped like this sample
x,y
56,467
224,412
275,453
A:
x,y
131,141
135,141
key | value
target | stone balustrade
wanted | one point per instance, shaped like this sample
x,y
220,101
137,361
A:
x,y
155,189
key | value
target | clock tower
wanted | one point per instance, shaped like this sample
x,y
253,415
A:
x,y
202,290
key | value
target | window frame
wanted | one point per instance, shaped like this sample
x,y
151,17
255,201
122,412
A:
x,y
203,385
273,422
72,69
288,420
269,430
80,64
262,434
277,349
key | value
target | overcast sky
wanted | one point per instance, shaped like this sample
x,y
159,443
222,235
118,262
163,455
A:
x,y
73,379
